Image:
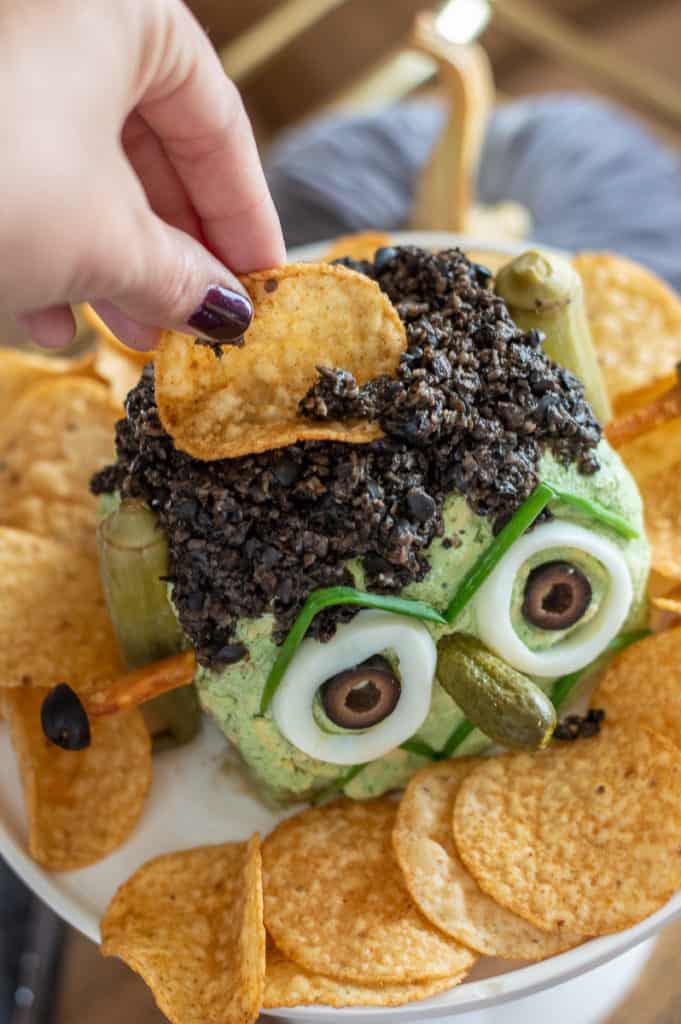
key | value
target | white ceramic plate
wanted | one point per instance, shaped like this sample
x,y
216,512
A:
x,y
199,797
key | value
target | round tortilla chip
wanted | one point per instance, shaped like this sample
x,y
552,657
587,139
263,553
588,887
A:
x,y
335,901
669,602
21,370
360,246
81,804
661,494
289,984
635,321
190,923
54,624
642,684
120,373
306,315
653,452
439,883
585,836
52,440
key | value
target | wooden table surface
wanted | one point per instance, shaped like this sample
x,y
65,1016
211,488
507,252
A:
x,y
104,991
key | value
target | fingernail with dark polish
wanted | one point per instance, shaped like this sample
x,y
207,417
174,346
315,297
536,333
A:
x,y
223,315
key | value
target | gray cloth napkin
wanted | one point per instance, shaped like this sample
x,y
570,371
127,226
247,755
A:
x,y
591,176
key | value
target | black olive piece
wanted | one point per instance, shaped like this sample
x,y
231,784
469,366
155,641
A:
x,y
230,654
362,696
575,727
383,257
557,595
421,505
286,471
64,719
481,274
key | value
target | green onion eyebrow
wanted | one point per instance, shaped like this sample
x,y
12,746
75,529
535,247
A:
x,y
327,598
599,512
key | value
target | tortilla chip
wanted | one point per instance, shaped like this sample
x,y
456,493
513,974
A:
x,y
190,923
21,370
288,984
335,901
659,412
119,372
661,493
669,603
642,685
81,804
654,460
441,886
630,401
585,836
115,363
306,315
653,452
360,246
635,321
54,625
665,604
52,440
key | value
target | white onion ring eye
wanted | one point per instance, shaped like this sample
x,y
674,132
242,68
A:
x,y
369,633
583,645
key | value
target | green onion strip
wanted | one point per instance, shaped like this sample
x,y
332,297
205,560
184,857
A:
x,y
594,510
520,521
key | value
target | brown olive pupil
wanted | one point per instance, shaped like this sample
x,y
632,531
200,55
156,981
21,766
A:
x,y
363,697
559,598
557,594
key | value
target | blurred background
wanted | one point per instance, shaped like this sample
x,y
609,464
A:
x,y
624,50
482,117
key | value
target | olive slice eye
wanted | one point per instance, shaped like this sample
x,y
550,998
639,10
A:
x,y
360,697
557,594
299,698
494,601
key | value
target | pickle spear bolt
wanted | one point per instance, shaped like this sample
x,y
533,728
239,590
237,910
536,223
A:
x,y
544,292
133,559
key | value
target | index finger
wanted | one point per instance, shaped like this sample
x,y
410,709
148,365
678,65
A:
x,y
199,118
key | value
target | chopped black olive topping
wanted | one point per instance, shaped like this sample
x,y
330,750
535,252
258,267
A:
x,y
557,595
473,405
64,719
574,727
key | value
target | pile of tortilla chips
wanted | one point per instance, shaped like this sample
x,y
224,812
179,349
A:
x,y
636,326
57,429
374,903
377,903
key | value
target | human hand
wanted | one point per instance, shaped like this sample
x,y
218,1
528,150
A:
x,y
130,175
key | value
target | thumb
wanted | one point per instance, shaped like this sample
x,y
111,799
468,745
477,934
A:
x,y
159,276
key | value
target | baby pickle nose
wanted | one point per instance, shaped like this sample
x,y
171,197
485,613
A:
x,y
506,705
